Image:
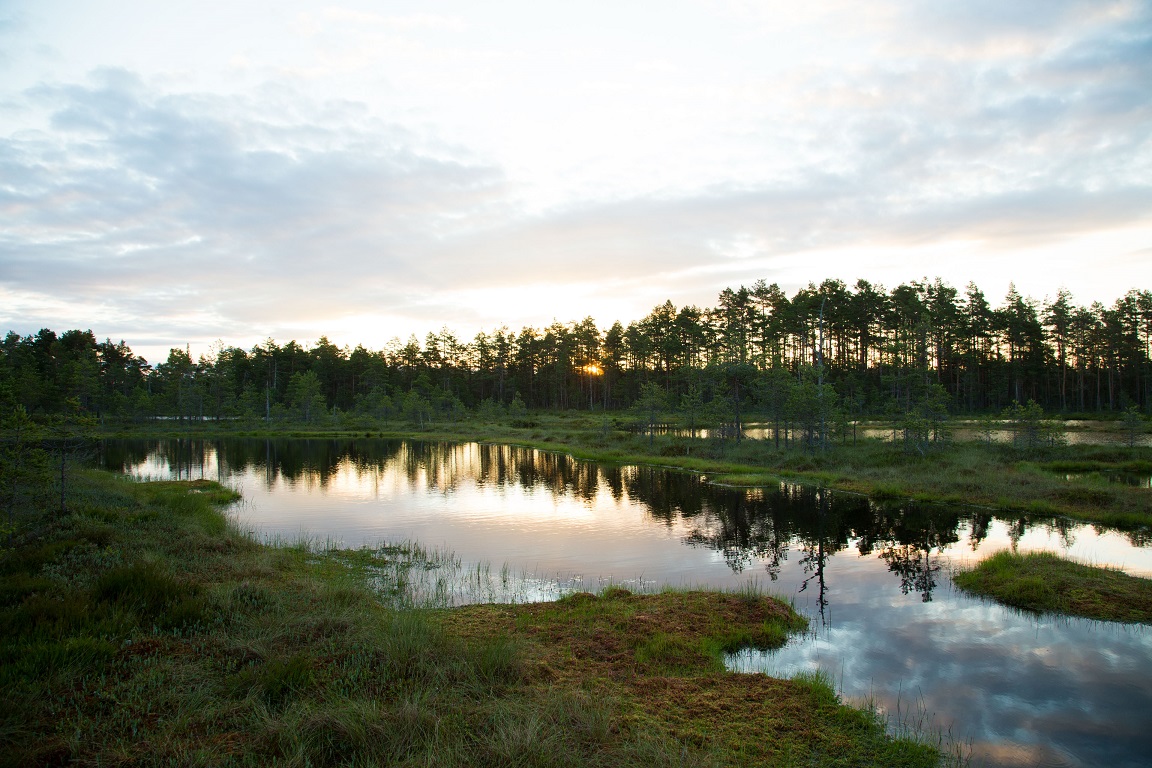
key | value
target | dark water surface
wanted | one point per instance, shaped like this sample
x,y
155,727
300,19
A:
x,y
886,623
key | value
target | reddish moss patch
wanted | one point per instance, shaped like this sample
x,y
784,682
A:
x,y
659,657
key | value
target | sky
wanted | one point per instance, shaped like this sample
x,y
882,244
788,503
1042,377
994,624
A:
x,y
191,173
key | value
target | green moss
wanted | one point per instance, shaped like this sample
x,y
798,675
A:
x,y
1045,582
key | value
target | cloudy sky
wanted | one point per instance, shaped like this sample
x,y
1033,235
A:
x,y
181,172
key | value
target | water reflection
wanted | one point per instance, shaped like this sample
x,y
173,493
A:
x,y
746,527
1085,435
1131,479
872,576
1074,432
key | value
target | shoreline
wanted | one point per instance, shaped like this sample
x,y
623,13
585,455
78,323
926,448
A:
x,y
994,477
143,627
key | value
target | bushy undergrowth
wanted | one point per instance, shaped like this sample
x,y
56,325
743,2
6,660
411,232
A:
x,y
140,628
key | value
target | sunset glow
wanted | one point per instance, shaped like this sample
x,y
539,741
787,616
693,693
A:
x,y
180,173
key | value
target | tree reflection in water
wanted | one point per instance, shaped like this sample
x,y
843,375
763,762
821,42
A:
x,y
750,528
915,567
815,556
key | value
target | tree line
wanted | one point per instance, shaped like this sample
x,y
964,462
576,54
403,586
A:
x,y
922,347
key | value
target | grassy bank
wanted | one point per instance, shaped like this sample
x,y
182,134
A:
x,y
1072,481
1044,582
140,628
658,660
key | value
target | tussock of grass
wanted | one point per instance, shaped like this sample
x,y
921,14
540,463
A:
x,y
659,659
1045,582
142,629
884,491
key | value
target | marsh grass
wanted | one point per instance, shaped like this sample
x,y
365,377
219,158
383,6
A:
x,y
659,659
1046,582
997,476
907,720
408,575
141,628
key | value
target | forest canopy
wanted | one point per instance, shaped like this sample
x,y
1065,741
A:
x,y
877,351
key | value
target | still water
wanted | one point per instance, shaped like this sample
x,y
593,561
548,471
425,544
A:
x,y
886,623
1070,432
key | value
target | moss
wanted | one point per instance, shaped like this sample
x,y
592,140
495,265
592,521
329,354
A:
x,y
659,658
1045,582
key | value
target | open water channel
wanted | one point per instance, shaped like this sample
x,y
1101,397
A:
x,y
886,623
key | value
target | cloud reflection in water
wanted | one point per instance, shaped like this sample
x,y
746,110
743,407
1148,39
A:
x,y
873,577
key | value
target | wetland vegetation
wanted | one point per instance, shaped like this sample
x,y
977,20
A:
x,y
872,576
140,627
1045,582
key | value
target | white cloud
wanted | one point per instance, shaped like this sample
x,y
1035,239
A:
x,y
440,165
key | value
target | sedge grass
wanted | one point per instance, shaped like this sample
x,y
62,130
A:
x,y
141,628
